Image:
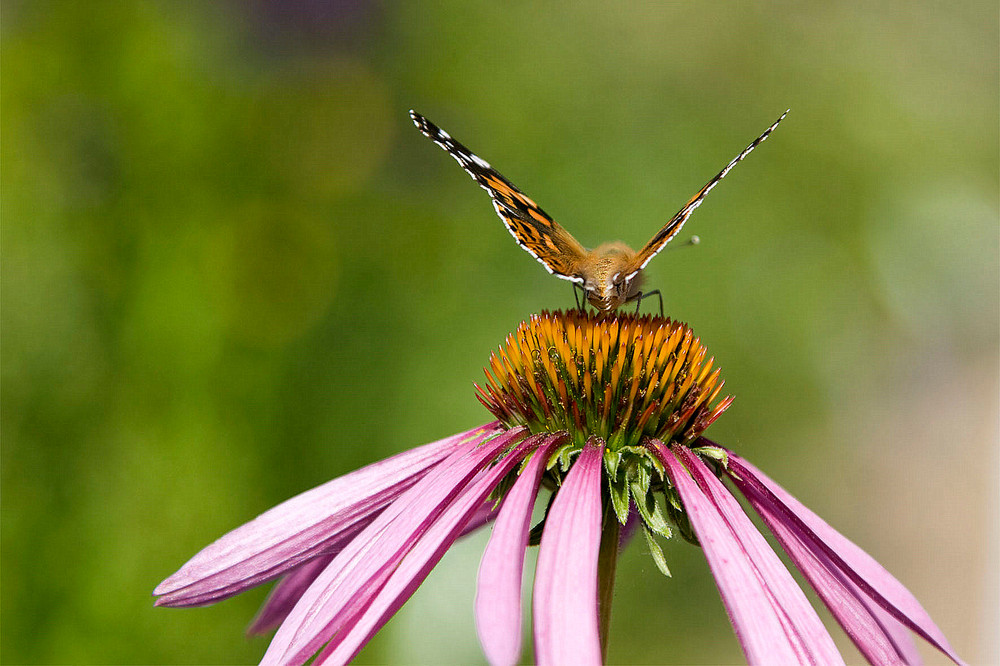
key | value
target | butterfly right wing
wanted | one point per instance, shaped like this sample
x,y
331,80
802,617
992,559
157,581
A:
x,y
670,229
533,230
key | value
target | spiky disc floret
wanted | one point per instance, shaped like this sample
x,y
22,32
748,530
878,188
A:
x,y
620,378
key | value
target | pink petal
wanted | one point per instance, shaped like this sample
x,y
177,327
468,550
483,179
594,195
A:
x,y
289,589
863,621
899,634
772,618
565,599
486,513
421,559
857,565
498,591
358,572
315,522
286,594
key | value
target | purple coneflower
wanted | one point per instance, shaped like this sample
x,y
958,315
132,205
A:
x,y
607,413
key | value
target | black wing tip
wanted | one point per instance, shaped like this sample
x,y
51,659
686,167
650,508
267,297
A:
x,y
424,125
763,136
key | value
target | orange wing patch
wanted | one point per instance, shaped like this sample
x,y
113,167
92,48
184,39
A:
x,y
533,230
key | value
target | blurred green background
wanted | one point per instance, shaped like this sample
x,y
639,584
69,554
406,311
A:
x,y
232,269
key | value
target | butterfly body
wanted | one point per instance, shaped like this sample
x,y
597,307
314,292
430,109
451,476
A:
x,y
611,273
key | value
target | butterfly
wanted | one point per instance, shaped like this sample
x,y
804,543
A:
x,y
610,274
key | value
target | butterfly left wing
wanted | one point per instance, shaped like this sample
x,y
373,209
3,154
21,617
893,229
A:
x,y
653,247
533,230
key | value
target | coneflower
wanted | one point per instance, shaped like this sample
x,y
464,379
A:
x,y
607,413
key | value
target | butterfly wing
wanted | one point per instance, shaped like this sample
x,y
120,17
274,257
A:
x,y
653,247
533,230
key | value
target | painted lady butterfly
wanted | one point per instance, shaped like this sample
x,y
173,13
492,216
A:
x,y
611,273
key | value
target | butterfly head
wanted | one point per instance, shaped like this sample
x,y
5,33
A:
x,y
609,277
608,298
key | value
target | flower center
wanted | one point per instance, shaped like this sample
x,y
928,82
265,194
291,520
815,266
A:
x,y
620,377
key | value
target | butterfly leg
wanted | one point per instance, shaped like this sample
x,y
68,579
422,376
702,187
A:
x,y
640,295
580,305
659,297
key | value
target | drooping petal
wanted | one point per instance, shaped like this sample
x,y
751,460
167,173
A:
x,y
286,594
899,634
359,571
310,524
486,513
565,595
417,563
290,588
498,590
867,628
807,630
857,565
772,618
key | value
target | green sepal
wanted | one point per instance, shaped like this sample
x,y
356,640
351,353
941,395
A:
x,y
565,453
558,455
535,535
715,453
656,552
524,461
620,498
611,461
673,500
657,463
501,489
645,502
680,518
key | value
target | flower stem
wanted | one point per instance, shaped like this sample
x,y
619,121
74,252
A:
x,y
606,565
